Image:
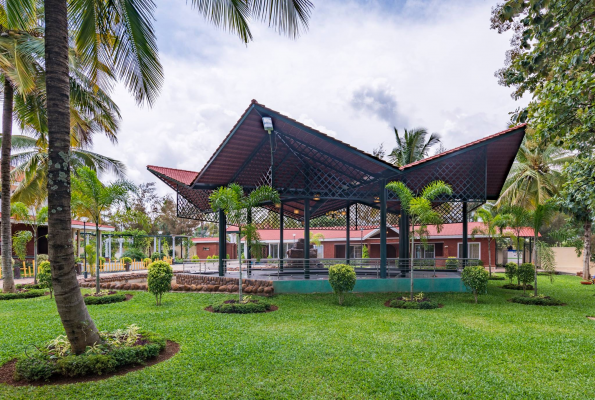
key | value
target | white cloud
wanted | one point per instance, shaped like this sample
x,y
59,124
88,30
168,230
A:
x,y
413,64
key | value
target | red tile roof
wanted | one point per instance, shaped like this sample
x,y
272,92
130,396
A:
x,y
179,175
463,146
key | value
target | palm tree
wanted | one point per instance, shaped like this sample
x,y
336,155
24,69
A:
x,y
535,175
237,206
33,216
537,218
491,223
90,198
420,210
413,146
119,41
517,218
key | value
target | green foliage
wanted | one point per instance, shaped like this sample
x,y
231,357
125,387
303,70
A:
x,y
496,278
159,279
22,295
578,192
90,251
126,260
107,299
35,368
365,251
413,146
514,286
42,257
44,276
19,243
342,279
476,279
414,305
510,270
94,364
147,260
249,307
525,273
536,300
157,256
452,263
135,254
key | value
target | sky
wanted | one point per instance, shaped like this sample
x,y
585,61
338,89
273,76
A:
x,y
362,68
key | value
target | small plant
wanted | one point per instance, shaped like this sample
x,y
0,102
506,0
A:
x,y
510,270
104,298
246,306
526,273
452,263
159,279
419,297
365,251
342,278
408,304
42,257
476,279
147,261
126,261
135,254
157,256
44,276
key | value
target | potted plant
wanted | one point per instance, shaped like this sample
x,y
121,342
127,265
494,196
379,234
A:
x,y
127,261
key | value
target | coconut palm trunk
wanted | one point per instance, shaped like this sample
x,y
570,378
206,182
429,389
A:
x,y
411,259
80,328
7,271
587,251
534,259
97,254
240,260
490,255
35,254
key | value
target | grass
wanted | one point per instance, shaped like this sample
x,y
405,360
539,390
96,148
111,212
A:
x,y
313,348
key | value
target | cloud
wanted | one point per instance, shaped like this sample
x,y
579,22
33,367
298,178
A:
x,y
361,68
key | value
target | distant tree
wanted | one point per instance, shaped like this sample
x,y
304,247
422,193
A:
x,y
490,224
34,217
537,218
412,146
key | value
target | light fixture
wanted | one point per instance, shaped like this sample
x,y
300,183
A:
x,y
343,212
317,196
296,211
278,205
160,232
267,123
376,199
84,219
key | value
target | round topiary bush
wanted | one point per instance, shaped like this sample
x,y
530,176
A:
x,y
126,261
44,276
147,260
159,279
526,273
476,279
510,270
342,279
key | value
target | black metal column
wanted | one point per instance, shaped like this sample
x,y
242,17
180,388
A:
x,y
281,247
249,248
222,242
465,254
347,235
404,242
383,231
307,239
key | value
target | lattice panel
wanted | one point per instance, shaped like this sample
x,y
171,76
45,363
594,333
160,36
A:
x,y
452,212
186,209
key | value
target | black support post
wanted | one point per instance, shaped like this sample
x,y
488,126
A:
x,y
222,242
281,247
347,235
249,248
465,254
383,231
307,239
404,243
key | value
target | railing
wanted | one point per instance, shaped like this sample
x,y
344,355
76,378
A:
x,y
318,267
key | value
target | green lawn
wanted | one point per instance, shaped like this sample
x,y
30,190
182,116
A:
x,y
313,348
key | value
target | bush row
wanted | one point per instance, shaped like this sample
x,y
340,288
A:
x,y
536,300
22,295
249,307
107,299
418,305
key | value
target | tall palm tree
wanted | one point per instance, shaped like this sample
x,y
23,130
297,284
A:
x,y
537,218
491,222
91,197
413,146
536,174
118,40
420,210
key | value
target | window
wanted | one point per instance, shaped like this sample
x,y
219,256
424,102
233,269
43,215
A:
x,y
206,248
319,251
425,250
274,249
473,249
355,251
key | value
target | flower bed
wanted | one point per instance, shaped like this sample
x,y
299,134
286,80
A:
x,y
247,306
418,303
514,286
539,300
23,294
119,348
105,297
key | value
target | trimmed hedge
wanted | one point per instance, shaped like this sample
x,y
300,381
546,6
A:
x,y
414,305
496,278
107,299
514,286
536,300
235,307
98,360
22,295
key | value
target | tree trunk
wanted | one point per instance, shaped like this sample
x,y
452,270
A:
x,y
97,255
475,295
534,249
35,254
490,255
587,252
411,258
7,272
240,260
80,328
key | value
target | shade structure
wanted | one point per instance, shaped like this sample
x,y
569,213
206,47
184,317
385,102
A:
x,y
306,165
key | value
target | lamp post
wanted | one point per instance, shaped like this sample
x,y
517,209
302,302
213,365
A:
x,y
361,240
160,232
85,219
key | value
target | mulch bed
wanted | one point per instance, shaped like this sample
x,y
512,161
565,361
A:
x,y
387,304
271,309
542,305
7,370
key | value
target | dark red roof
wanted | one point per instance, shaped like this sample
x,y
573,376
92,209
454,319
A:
x,y
179,175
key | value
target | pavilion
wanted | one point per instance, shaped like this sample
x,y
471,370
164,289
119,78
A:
x,y
327,184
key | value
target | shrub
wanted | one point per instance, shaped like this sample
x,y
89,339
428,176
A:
x,y
44,276
29,286
147,261
42,257
235,307
413,305
36,368
536,300
157,256
94,364
510,270
496,278
159,279
526,273
22,295
475,262
514,286
452,263
476,279
126,260
111,298
342,279
135,254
